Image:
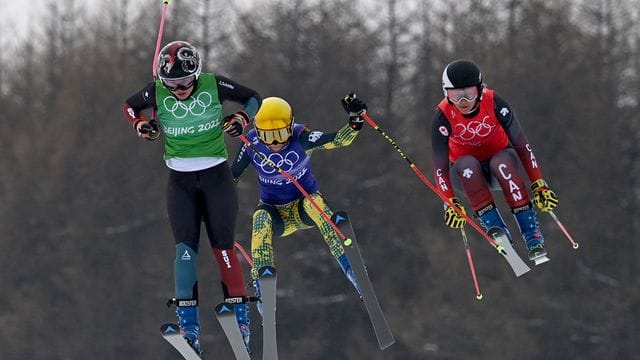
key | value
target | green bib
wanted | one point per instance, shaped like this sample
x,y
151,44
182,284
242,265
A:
x,y
191,127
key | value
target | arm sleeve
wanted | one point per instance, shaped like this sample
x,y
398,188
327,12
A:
x,y
314,140
138,101
233,91
440,131
517,138
242,160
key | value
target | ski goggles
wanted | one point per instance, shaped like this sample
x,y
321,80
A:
x,y
274,136
468,93
179,84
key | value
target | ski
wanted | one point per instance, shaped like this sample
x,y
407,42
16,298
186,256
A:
x,y
171,333
268,278
226,316
541,260
378,320
518,266
539,256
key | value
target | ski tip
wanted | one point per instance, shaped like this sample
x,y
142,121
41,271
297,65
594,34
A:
x,y
170,328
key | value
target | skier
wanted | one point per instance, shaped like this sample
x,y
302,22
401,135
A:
x,y
476,137
282,208
189,115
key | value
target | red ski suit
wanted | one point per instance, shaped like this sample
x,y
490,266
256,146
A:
x,y
477,148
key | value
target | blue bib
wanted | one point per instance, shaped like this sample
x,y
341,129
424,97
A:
x,y
276,188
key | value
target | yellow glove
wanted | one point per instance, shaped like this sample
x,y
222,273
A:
x,y
451,216
544,198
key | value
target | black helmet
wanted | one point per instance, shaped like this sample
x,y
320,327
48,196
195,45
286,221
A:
x,y
461,73
178,59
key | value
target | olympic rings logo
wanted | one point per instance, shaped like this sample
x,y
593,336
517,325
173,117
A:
x,y
285,162
474,129
196,107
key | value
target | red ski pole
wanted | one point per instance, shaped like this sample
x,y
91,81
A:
x,y
574,244
472,267
154,70
244,253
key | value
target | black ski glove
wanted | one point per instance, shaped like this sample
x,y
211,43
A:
x,y
147,129
234,124
354,107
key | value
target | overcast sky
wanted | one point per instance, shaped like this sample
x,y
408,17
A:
x,y
15,14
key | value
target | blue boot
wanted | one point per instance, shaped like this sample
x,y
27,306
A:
x,y
348,271
190,326
526,218
242,315
490,217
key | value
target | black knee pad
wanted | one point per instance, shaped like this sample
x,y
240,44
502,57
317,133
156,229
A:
x,y
276,221
303,214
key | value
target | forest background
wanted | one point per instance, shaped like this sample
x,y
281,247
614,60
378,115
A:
x,y
87,249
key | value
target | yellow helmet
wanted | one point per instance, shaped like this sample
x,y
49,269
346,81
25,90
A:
x,y
274,121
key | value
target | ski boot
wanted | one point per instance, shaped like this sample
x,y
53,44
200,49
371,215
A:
x,y
530,229
190,326
348,271
490,218
242,315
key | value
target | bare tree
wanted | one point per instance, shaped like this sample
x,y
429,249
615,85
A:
x,y
82,225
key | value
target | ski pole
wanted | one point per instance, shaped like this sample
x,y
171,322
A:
x,y
154,69
574,244
413,166
244,253
297,185
472,267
